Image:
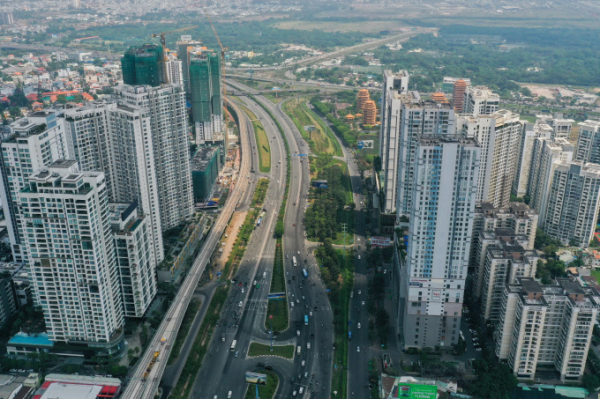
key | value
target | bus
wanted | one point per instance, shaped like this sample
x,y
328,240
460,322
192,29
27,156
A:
x,y
233,344
304,273
305,320
294,261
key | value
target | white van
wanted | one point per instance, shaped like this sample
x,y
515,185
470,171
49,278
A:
x,y
229,394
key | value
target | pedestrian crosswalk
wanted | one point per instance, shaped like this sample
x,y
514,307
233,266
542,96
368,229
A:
x,y
256,305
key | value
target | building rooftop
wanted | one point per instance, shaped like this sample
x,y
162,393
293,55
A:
x,y
202,158
531,286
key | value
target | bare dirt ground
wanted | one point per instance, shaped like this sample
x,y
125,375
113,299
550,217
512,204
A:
x,y
232,229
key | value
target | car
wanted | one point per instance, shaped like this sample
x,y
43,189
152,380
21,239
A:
x,y
359,291
306,374
287,256
358,348
311,313
255,283
303,363
237,353
363,303
293,277
308,345
359,326
297,300
260,364
242,290
303,298
240,304
229,394
316,308
286,273
298,332
312,336
268,367
299,376
478,349
358,257
292,304
298,252
294,393
301,390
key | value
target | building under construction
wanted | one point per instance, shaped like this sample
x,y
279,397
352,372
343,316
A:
x,y
205,170
205,94
144,65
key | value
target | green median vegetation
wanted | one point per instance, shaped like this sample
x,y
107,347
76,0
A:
x,y
264,391
256,349
186,381
278,308
264,149
186,324
239,247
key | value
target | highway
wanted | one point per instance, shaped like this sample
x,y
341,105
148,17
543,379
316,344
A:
x,y
160,346
246,323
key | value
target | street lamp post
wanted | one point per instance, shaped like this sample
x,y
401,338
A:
x,y
271,322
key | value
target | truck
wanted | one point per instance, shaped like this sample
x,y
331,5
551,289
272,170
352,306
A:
x,y
294,261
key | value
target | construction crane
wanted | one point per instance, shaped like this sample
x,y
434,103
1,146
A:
x,y
163,34
223,50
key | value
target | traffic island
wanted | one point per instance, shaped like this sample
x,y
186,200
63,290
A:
x,y
284,351
264,391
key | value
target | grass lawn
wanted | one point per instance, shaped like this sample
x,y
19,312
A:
x,y
319,141
264,391
279,308
264,153
596,274
324,128
256,349
186,324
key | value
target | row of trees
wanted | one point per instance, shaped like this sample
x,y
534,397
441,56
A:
x,y
323,217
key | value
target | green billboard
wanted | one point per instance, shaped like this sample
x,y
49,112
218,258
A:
x,y
417,391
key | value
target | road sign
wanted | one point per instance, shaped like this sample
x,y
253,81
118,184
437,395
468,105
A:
x,y
277,296
416,391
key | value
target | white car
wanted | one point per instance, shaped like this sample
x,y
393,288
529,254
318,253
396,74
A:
x,y
303,363
359,326
308,345
363,303
358,257
240,304
358,348
359,292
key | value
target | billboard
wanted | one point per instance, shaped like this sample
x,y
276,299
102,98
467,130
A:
x,y
256,378
381,241
416,391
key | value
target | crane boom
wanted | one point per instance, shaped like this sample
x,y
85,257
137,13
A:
x,y
163,34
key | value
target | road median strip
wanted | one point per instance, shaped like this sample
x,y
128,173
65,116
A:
x,y
257,349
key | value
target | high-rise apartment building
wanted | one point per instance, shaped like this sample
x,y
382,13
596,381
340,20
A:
x,y
71,254
184,47
561,128
546,326
499,135
529,134
165,106
118,140
515,222
34,142
588,142
417,118
205,93
479,100
458,97
174,71
546,156
135,261
440,227
573,203
394,85
144,65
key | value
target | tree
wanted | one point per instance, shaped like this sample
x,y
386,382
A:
x,y
526,92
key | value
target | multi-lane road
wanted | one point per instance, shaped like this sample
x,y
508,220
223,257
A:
x,y
145,380
243,319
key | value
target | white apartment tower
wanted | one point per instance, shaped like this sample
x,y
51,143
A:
x,y
71,254
494,226
169,130
546,325
547,154
417,118
561,128
35,142
117,139
440,228
573,203
394,85
588,142
530,133
174,71
135,260
499,135
479,100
